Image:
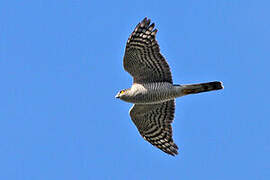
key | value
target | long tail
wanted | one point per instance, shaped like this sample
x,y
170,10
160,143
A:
x,y
202,87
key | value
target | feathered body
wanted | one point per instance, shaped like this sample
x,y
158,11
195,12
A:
x,y
153,92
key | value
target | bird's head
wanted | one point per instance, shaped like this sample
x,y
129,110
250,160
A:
x,y
121,94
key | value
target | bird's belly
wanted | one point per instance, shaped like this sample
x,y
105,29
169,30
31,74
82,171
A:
x,y
150,101
153,96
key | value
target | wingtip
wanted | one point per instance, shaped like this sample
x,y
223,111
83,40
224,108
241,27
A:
x,y
172,150
172,153
145,19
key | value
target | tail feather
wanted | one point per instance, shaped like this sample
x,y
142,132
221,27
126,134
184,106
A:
x,y
202,87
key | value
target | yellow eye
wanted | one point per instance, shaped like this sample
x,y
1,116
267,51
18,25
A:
x,y
121,92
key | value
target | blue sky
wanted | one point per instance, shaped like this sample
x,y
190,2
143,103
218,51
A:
x,y
61,66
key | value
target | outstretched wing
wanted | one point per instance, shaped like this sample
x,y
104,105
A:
x,y
142,58
154,124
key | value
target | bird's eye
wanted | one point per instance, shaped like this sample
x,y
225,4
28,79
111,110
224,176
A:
x,y
121,92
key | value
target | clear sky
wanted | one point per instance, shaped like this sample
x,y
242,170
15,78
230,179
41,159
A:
x,y
61,66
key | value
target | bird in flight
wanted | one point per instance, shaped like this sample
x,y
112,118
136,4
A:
x,y
153,93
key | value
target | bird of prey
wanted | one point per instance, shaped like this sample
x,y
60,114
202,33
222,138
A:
x,y
153,92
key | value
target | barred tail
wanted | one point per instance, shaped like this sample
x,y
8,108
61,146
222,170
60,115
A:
x,y
202,87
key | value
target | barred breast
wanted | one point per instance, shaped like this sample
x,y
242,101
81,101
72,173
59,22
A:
x,y
152,93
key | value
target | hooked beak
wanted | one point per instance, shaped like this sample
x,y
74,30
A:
x,y
117,96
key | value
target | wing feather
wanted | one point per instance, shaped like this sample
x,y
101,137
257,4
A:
x,y
153,121
142,58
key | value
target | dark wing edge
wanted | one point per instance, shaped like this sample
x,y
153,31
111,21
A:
x,y
142,58
153,122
